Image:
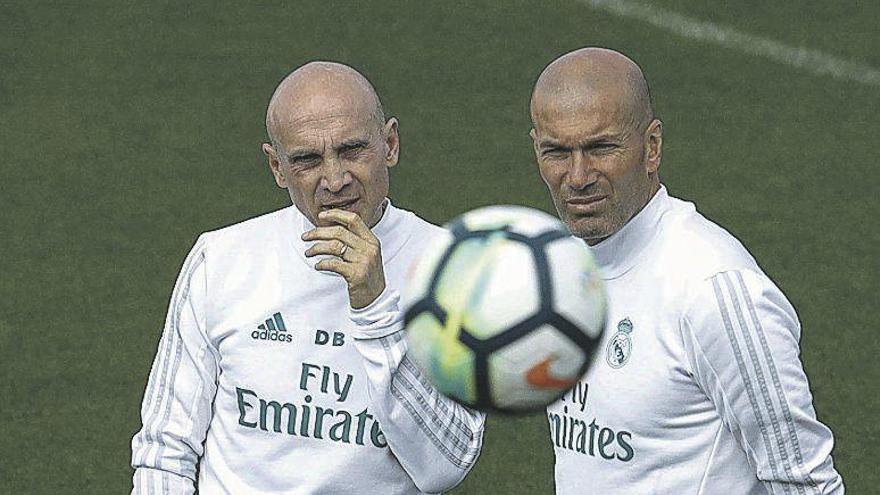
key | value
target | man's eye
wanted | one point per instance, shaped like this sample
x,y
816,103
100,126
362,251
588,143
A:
x,y
554,153
352,151
305,160
604,148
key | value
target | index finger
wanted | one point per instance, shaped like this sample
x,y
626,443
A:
x,y
350,220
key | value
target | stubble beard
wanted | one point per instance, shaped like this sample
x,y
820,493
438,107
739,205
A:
x,y
592,228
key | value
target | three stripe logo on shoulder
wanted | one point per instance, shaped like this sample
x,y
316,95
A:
x,y
273,329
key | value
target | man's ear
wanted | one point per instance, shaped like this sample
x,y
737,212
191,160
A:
x,y
392,143
653,146
275,165
534,135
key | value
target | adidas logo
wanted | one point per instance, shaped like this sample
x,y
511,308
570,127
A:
x,y
272,329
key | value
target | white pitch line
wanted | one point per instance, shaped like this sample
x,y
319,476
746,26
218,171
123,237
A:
x,y
807,59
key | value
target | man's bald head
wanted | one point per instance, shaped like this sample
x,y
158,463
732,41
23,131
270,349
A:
x,y
318,89
583,75
331,147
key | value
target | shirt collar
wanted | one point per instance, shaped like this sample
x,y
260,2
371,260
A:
x,y
618,253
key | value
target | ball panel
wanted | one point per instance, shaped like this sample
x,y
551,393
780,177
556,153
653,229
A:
x,y
579,293
488,285
534,370
447,362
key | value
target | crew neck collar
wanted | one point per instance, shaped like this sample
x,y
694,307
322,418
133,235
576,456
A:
x,y
618,253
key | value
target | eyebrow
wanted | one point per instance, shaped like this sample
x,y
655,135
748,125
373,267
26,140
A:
x,y
302,153
606,137
353,143
550,143
347,144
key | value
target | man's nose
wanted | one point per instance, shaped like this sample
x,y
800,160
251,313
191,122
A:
x,y
336,176
581,174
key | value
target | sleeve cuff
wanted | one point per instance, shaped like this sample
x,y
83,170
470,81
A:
x,y
147,480
378,319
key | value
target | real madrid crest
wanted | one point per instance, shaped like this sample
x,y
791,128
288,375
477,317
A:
x,y
620,346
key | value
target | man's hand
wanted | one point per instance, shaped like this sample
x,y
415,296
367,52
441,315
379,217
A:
x,y
358,255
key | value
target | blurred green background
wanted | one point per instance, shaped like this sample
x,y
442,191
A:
x,y
129,127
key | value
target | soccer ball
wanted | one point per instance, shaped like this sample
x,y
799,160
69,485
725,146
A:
x,y
504,315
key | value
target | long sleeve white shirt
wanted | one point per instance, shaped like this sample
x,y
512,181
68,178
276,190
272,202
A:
x,y
698,387
265,381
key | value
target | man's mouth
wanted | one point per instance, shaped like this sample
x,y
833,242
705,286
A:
x,y
586,204
340,204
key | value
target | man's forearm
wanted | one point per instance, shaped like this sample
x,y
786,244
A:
x,y
435,439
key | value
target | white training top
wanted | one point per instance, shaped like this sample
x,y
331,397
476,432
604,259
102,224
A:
x,y
265,381
697,387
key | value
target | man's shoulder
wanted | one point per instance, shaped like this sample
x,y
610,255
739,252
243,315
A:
x,y
706,259
412,236
419,227
699,248
255,231
425,227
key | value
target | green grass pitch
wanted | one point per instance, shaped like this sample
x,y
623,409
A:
x,y
127,128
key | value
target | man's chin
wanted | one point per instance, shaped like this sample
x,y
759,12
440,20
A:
x,y
590,229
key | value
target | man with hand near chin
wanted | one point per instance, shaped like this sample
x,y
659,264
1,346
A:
x,y
282,367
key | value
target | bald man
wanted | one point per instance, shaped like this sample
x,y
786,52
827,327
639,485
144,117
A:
x,y
699,388
282,367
